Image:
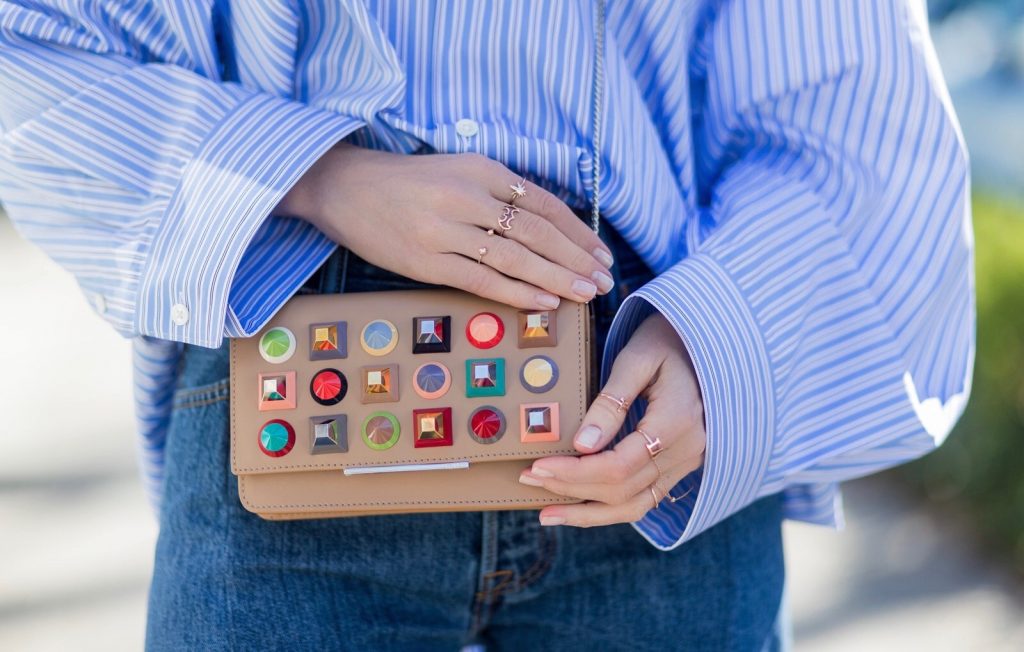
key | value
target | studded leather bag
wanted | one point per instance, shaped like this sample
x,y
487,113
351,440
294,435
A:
x,y
409,401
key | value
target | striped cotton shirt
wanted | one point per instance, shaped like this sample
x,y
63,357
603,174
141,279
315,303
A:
x,y
791,170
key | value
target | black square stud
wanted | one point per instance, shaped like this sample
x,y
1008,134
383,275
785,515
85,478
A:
x,y
432,334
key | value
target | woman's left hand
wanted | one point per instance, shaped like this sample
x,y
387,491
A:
x,y
617,482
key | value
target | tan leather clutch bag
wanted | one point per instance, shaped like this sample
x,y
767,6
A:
x,y
389,402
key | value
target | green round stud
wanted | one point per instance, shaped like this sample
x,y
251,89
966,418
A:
x,y
277,345
381,430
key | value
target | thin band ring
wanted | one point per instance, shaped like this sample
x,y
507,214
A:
x,y
621,404
653,444
675,499
518,190
482,251
657,466
654,495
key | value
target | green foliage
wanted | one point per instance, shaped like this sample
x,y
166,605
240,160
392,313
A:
x,y
980,469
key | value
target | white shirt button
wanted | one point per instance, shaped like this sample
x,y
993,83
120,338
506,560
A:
x,y
179,314
466,127
99,303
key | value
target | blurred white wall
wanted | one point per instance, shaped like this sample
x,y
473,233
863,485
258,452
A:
x,y
76,535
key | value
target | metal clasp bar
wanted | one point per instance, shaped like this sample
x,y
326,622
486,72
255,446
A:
x,y
395,468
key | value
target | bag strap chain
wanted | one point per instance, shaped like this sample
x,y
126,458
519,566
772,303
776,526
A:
x,y
595,216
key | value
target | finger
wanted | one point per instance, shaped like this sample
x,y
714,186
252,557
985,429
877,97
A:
x,y
543,203
516,261
457,271
596,513
541,236
631,372
615,466
614,493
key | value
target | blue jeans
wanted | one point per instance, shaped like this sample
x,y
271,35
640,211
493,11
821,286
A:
x,y
224,579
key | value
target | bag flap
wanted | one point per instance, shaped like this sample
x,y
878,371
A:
x,y
522,397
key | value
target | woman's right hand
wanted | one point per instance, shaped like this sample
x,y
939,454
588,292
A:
x,y
426,217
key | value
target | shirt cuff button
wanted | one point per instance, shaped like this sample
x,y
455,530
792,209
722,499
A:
x,y
179,314
466,127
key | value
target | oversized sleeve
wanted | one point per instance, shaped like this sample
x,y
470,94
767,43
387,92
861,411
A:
x,y
128,159
826,298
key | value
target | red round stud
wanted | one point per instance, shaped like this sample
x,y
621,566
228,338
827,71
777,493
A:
x,y
484,330
486,424
328,387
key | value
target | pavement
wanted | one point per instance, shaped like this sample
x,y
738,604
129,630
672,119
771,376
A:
x,y
76,535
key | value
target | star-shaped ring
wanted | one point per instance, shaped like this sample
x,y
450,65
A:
x,y
518,190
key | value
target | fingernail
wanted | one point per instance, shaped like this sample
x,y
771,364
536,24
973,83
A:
x,y
551,520
541,473
588,436
547,300
604,257
584,289
603,281
526,478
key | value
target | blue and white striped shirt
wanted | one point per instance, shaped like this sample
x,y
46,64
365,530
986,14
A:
x,y
792,170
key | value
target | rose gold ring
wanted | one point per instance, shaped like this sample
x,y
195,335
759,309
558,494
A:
x,y
654,495
653,444
483,252
675,498
507,215
518,190
657,466
621,404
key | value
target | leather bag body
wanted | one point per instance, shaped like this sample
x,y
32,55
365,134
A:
x,y
298,456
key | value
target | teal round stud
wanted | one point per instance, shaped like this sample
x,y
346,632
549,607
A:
x,y
277,437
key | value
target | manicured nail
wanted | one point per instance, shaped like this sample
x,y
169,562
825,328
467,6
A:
x,y
604,257
604,282
547,300
588,436
584,289
551,520
526,478
541,473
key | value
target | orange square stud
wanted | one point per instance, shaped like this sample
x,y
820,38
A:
x,y
537,328
276,391
328,340
379,384
538,422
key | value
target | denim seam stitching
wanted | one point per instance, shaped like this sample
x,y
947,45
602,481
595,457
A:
x,y
200,403
213,391
489,554
543,562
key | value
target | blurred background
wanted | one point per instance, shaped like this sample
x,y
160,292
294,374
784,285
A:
x,y
932,556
